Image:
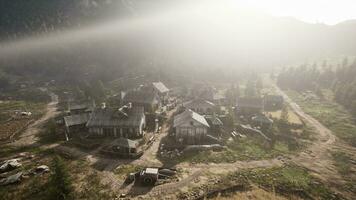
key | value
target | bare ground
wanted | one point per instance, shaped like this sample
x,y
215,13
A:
x,y
316,158
30,135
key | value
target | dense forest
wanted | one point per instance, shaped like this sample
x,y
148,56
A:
x,y
341,79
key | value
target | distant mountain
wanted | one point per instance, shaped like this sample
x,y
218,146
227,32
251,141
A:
x,y
161,38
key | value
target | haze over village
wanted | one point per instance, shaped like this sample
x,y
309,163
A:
x,y
179,100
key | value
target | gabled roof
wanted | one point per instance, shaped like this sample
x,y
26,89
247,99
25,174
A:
x,y
160,87
139,96
251,102
198,102
80,105
73,120
189,115
113,117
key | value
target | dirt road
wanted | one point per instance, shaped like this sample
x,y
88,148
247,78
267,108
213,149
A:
x,y
317,157
150,155
29,136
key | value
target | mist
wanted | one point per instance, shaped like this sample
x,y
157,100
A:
x,y
180,35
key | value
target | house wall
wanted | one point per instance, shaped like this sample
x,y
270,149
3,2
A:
x,y
126,132
191,133
146,106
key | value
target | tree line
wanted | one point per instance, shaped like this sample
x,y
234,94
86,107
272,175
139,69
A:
x,y
339,78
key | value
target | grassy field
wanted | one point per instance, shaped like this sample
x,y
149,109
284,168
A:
x,y
329,113
244,149
292,117
289,181
344,165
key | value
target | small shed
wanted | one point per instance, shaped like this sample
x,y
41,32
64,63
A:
x,y
262,121
125,146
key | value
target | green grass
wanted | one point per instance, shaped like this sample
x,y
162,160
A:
x,y
124,170
288,180
242,149
329,113
342,162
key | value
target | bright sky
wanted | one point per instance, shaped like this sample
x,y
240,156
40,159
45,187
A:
x,y
321,11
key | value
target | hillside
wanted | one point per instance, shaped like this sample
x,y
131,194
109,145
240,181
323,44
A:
x,y
77,37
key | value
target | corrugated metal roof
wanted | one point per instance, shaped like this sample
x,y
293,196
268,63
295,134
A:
x,y
112,117
188,115
76,119
160,87
79,106
197,102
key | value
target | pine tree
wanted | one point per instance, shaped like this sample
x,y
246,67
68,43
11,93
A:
x,y
60,186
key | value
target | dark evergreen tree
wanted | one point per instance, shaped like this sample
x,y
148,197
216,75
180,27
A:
x,y
60,186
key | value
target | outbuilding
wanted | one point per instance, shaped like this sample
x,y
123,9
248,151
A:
x,y
190,127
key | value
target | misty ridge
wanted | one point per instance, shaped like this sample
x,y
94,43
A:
x,y
87,37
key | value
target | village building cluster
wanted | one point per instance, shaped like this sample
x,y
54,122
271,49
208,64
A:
x,y
202,116
125,121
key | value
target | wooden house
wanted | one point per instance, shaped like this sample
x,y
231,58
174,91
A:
x,y
128,122
158,89
200,106
147,99
250,105
190,127
80,107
